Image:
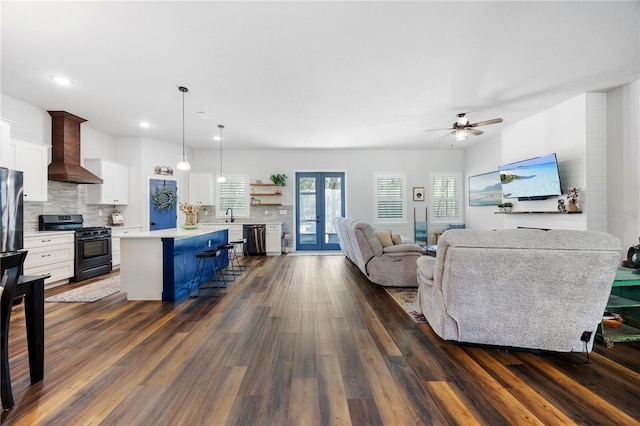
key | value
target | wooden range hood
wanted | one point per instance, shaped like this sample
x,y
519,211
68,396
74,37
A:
x,y
65,150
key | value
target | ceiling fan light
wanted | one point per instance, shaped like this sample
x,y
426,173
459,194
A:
x,y
461,135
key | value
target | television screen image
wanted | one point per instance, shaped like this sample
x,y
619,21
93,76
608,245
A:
x,y
536,178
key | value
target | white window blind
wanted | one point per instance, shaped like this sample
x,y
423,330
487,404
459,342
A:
x,y
390,197
446,197
233,194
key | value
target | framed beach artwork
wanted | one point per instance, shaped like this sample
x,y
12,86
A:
x,y
485,189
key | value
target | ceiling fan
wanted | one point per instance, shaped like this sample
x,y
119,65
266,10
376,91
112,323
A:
x,y
461,128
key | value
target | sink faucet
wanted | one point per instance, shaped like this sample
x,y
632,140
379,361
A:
x,y
227,214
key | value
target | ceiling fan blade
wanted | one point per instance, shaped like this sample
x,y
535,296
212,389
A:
x,y
484,123
475,132
437,130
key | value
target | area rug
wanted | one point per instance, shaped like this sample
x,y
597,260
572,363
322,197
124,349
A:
x,y
407,298
90,292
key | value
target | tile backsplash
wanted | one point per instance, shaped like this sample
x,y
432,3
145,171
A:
x,y
67,198
71,198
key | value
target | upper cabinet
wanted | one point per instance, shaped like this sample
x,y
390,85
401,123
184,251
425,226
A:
x,y
115,187
31,158
201,189
5,137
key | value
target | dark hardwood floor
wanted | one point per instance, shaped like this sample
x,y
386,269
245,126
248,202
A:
x,y
299,340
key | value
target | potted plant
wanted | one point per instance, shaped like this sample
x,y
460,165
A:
x,y
279,179
505,207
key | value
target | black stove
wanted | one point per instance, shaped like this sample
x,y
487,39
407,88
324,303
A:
x,y
92,243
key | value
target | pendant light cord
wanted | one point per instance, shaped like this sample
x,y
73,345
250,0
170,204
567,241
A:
x,y
220,126
183,164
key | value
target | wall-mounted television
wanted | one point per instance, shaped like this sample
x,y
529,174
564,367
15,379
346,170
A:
x,y
533,179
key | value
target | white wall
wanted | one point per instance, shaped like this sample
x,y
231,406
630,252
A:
x,y
597,139
623,196
484,157
359,165
142,155
34,124
30,122
576,131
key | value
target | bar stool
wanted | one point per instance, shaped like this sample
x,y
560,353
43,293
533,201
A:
x,y
234,265
246,259
213,257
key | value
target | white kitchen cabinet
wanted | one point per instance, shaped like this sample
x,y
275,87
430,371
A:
x,y
116,233
32,159
50,253
235,232
201,188
115,186
5,137
273,239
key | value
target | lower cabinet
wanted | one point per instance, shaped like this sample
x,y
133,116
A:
x,y
235,232
273,237
115,241
50,253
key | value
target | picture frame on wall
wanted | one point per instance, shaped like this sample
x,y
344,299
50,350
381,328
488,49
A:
x,y
485,189
418,193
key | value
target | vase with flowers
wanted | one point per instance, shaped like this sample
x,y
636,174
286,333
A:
x,y
572,196
190,215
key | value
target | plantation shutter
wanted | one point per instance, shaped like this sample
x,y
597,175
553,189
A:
x,y
233,194
446,197
390,198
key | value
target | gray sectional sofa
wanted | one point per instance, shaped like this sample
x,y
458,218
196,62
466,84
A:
x,y
519,288
392,265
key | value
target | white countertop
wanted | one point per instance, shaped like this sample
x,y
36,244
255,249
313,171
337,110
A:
x,y
175,232
41,233
240,223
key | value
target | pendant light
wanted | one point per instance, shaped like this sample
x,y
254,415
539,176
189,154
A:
x,y
183,164
221,178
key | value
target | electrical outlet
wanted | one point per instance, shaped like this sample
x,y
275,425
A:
x,y
99,212
266,212
586,336
283,212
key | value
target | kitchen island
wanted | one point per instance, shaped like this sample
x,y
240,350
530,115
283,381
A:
x,y
159,265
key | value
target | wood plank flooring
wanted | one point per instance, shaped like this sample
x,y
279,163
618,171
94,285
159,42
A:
x,y
299,340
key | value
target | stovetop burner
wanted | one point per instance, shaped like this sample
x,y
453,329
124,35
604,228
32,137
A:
x,y
68,222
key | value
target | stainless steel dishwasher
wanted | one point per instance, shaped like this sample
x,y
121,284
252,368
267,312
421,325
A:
x,y
255,235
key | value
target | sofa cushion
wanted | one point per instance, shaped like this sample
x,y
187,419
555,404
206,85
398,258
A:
x,y
385,238
396,238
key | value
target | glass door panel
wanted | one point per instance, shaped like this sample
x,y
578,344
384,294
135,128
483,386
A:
x,y
307,211
320,198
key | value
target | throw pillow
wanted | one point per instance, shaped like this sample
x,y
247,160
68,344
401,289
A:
x,y
385,238
396,238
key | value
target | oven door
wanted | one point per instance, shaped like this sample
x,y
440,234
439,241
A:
x,y
93,256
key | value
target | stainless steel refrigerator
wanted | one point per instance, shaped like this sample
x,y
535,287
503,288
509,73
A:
x,y
11,210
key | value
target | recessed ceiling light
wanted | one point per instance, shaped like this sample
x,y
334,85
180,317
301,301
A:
x,y
62,81
203,115
216,138
144,124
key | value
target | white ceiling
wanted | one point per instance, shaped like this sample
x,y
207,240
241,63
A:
x,y
313,74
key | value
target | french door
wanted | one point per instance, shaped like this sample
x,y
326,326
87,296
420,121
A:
x,y
319,199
